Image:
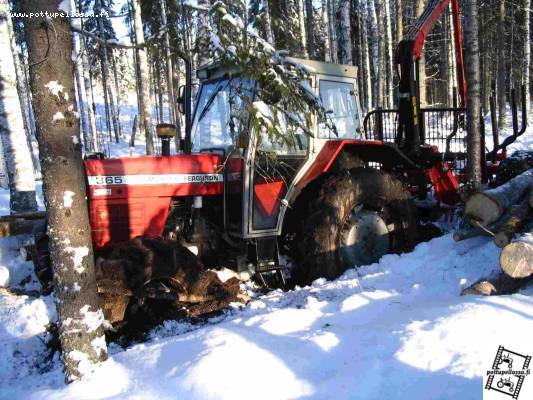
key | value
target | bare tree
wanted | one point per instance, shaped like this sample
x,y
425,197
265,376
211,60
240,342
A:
x,y
145,101
168,64
374,40
327,36
104,59
473,106
332,26
268,23
420,4
13,135
367,78
309,15
52,84
345,39
527,50
301,26
502,67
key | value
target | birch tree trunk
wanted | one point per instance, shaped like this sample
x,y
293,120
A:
x,y
327,36
15,145
421,62
80,319
108,93
346,33
78,76
452,81
302,30
501,65
145,101
388,51
86,69
473,106
399,20
23,95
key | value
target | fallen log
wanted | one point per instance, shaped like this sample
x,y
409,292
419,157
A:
x,y
21,223
16,227
516,259
502,284
511,225
24,215
488,206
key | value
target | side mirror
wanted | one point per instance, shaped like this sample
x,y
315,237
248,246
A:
x,y
181,99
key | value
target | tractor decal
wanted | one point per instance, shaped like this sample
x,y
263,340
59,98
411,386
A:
x,y
162,179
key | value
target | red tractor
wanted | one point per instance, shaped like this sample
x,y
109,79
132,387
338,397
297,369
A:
x,y
331,201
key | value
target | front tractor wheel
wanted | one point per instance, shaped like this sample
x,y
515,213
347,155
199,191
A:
x,y
353,218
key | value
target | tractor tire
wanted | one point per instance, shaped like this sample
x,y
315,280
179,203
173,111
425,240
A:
x,y
352,218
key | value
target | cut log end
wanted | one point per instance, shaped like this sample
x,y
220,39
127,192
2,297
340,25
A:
x,y
516,260
483,208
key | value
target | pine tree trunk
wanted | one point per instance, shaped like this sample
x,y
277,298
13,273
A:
x,y
15,145
157,88
310,27
420,4
302,31
80,319
88,89
145,101
374,40
367,77
268,23
333,31
473,106
117,92
327,36
203,35
169,66
346,33
502,67
527,51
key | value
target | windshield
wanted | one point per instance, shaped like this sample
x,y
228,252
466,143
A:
x,y
220,114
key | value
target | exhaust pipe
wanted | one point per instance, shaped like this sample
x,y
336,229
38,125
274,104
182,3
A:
x,y
165,132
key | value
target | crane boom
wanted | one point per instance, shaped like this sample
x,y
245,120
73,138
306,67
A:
x,y
407,55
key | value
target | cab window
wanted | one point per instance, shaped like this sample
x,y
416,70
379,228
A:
x,y
338,98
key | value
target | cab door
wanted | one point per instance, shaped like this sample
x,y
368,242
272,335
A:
x,y
270,169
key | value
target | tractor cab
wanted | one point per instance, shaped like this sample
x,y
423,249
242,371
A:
x,y
261,177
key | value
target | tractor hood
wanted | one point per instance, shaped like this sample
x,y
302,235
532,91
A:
x,y
131,197
177,175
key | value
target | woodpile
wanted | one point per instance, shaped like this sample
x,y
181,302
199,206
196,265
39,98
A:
x,y
506,214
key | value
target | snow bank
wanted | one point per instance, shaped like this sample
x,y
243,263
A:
x,y
397,326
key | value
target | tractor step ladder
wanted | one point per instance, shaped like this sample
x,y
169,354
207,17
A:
x,y
268,260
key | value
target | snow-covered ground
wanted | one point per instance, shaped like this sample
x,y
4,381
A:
x,y
394,329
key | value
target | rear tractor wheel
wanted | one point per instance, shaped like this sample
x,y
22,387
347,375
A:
x,y
353,218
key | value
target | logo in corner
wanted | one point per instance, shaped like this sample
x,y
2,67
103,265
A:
x,y
509,370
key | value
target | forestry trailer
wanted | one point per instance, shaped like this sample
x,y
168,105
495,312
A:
x,y
330,202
